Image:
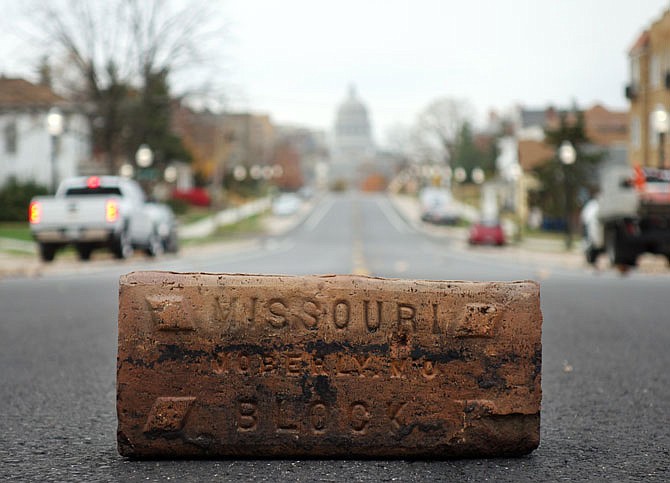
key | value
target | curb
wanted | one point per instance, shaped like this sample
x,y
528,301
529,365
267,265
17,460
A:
x,y
29,266
535,250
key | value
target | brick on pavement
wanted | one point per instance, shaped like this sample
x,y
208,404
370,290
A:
x,y
235,365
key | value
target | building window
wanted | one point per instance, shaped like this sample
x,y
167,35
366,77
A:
x,y
11,138
635,71
653,135
635,132
655,71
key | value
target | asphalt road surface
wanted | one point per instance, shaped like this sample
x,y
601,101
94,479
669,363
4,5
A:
x,y
606,365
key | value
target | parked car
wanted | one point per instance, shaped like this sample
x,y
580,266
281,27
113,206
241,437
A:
x,y
100,212
193,196
437,206
286,204
486,232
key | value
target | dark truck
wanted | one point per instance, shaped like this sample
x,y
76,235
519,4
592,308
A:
x,y
630,216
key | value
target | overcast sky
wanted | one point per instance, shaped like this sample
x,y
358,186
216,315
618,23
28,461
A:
x,y
295,58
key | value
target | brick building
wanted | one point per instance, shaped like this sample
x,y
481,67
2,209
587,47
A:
x,y
219,142
648,89
252,138
607,129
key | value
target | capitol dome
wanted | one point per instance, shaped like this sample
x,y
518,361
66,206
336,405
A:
x,y
352,140
352,119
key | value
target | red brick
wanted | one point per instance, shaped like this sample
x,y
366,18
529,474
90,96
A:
x,y
246,365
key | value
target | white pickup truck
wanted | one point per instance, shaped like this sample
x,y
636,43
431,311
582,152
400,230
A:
x,y
630,216
101,212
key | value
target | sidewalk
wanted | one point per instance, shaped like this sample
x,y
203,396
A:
x,y
536,250
207,226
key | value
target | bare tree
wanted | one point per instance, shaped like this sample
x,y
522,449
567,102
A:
x,y
109,52
438,126
398,138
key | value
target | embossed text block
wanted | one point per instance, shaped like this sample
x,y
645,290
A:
x,y
278,366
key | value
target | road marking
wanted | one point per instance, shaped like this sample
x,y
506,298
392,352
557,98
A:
x,y
316,217
358,259
393,218
359,267
543,273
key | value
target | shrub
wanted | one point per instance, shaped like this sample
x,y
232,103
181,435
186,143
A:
x,y
179,207
15,197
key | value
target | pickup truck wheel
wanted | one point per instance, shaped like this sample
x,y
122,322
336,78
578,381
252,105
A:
x,y
617,251
591,253
155,247
171,244
84,252
122,247
47,251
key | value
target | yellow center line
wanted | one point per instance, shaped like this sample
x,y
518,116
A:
x,y
359,266
358,259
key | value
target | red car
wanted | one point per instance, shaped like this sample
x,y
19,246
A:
x,y
193,196
486,232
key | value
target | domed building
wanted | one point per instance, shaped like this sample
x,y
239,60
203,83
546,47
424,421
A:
x,y
352,141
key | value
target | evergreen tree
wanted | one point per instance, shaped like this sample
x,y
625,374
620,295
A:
x,y
150,120
564,189
468,155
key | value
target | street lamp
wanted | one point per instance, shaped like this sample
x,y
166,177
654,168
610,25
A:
x,y
478,176
267,172
127,170
55,129
277,171
661,126
256,172
516,198
170,174
567,155
239,173
460,175
144,157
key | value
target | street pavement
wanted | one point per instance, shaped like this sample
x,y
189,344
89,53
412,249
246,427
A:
x,y
606,383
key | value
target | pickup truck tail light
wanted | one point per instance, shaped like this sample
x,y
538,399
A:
x,y
639,178
93,182
111,211
35,212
